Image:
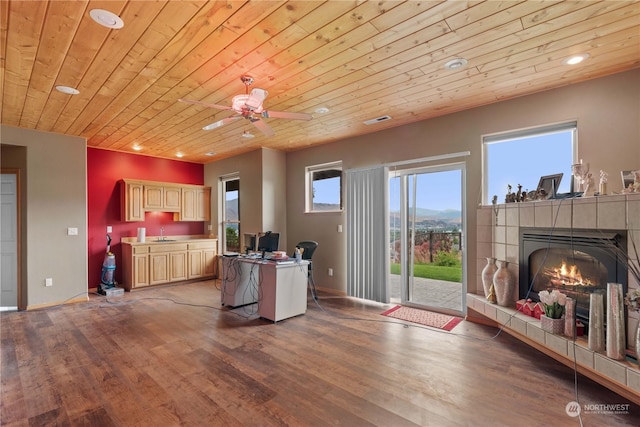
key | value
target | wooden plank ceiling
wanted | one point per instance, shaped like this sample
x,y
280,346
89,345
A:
x,y
358,59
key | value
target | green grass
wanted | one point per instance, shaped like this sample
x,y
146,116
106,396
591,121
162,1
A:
x,y
430,271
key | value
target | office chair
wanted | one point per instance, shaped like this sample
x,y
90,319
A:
x,y
309,247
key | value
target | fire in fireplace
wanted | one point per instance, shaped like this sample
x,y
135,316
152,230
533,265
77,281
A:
x,y
575,262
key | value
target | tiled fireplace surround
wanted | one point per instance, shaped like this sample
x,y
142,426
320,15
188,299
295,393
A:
x,y
498,237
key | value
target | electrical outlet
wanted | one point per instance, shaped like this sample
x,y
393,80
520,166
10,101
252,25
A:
x,y
330,272
48,281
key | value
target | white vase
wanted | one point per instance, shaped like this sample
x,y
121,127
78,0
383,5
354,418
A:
x,y
570,318
616,336
636,338
596,322
487,276
503,284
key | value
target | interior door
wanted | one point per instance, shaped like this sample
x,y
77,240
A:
x,y
9,241
427,234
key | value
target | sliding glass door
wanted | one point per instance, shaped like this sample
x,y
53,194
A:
x,y
426,214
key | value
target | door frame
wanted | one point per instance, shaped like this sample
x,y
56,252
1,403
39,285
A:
x,y
405,250
16,172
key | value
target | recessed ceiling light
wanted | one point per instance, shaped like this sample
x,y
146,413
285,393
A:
x,y
576,59
179,155
68,90
455,63
247,135
137,147
322,110
106,18
210,153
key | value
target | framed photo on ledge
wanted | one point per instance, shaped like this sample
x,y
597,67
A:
x,y
550,184
627,178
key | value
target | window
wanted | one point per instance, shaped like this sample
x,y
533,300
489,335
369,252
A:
x,y
230,213
324,187
522,157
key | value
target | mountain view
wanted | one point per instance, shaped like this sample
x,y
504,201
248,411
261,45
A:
x,y
444,220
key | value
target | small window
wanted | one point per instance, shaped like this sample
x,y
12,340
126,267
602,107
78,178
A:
x,y
522,157
324,187
230,213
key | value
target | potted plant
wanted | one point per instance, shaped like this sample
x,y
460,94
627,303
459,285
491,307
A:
x,y
554,305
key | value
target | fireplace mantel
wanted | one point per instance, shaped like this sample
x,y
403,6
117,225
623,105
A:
x,y
498,237
622,377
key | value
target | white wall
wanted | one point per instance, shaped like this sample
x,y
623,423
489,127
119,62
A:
x,y
262,191
608,115
56,199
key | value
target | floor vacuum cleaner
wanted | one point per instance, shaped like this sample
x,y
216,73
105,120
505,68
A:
x,y
107,278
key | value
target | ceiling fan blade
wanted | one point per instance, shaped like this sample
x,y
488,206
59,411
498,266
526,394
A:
x,y
262,126
222,122
204,104
286,115
256,98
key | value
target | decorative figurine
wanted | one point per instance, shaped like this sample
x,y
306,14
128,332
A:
x,y
511,197
603,182
494,202
589,186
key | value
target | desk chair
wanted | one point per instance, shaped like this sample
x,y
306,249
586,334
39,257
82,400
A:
x,y
309,247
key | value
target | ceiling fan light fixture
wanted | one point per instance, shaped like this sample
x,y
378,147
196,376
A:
x,y
456,63
576,59
68,90
106,18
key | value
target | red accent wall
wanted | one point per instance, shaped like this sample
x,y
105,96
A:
x,y
104,170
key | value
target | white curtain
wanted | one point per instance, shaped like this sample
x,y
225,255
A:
x,y
367,231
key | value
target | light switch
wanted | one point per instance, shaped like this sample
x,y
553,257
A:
x,y
109,229
72,231
339,228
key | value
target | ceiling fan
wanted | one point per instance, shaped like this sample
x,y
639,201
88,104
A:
x,y
249,106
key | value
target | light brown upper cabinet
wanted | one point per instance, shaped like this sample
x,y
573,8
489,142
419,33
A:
x,y
196,204
163,198
131,201
187,202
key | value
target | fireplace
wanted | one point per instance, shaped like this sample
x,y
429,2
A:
x,y
576,262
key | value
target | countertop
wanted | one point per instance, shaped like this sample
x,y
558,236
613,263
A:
x,y
155,240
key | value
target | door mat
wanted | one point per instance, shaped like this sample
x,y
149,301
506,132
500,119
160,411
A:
x,y
423,317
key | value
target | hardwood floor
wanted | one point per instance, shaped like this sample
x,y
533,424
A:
x,y
172,356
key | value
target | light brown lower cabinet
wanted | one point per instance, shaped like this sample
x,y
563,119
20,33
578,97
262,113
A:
x,y
168,262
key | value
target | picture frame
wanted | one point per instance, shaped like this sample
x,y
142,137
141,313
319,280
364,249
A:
x,y
550,184
627,178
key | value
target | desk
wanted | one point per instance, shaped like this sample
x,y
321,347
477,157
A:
x,y
279,289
